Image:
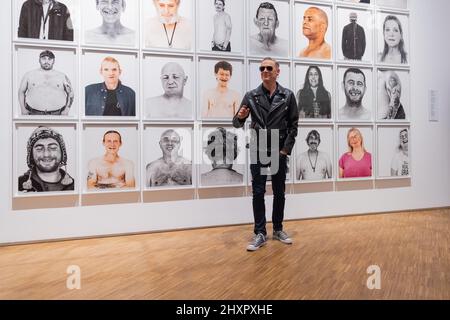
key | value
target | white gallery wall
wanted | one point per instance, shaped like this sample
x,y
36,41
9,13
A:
x,y
428,187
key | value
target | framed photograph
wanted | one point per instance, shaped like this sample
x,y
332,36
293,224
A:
x,y
393,39
393,90
45,159
168,24
255,75
219,26
393,152
399,4
355,35
355,98
356,1
59,22
314,92
313,23
168,157
168,84
269,23
110,23
223,156
355,158
314,154
46,82
110,81
221,86
110,158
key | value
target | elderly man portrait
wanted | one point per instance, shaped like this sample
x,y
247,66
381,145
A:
x,y
111,31
45,20
222,150
172,104
353,39
314,28
354,86
266,42
111,170
172,169
111,97
314,164
221,101
45,91
168,29
46,158
222,28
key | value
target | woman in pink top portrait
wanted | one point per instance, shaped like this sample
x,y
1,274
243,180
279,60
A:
x,y
356,163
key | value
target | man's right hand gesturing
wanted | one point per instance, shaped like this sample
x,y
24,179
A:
x,y
243,113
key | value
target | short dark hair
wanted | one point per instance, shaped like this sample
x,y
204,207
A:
x,y
222,140
223,65
223,1
267,5
47,53
272,59
112,131
354,70
314,133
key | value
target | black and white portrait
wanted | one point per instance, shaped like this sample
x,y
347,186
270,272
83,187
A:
x,y
223,156
220,23
110,83
400,4
355,35
314,154
355,94
46,19
168,87
168,24
393,39
393,152
45,158
357,1
269,28
221,86
314,91
110,157
46,81
393,95
254,74
168,155
110,22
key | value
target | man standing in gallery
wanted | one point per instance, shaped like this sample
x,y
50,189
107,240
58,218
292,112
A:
x,y
353,39
45,20
274,124
354,85
221,101
172,169
314,27
266,42
46,155
171,104
111,170
168,29
45,91
222,28
314,165
111,97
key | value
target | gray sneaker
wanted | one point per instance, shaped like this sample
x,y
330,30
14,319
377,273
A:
x,y
258,241
282,236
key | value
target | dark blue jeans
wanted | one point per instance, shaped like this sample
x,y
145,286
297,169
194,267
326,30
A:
x,y
259,190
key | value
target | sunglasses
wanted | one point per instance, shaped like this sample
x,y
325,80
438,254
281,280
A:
x,y
268,68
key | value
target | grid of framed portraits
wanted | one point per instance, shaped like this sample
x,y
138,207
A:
x,y
138,95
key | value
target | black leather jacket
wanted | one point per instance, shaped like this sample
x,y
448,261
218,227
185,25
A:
x,y
282,114
59,23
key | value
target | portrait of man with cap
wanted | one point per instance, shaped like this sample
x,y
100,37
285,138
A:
x,y
45,91
353,39
46,158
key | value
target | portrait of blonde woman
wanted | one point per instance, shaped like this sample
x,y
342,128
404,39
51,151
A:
x,y
357,161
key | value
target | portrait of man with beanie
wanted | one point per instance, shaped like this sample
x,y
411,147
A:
x,y
47,163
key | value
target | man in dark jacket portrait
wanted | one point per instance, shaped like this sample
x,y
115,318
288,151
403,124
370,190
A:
x,y
353,39
46,20
274,125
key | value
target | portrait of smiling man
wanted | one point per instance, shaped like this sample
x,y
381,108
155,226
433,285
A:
x,y
111,31
354,86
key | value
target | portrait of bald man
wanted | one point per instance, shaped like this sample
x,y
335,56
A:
x,y
314,27
172,104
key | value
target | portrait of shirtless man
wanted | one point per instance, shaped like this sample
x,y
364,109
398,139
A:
x,y
171,169
45,91
111,170
222,28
